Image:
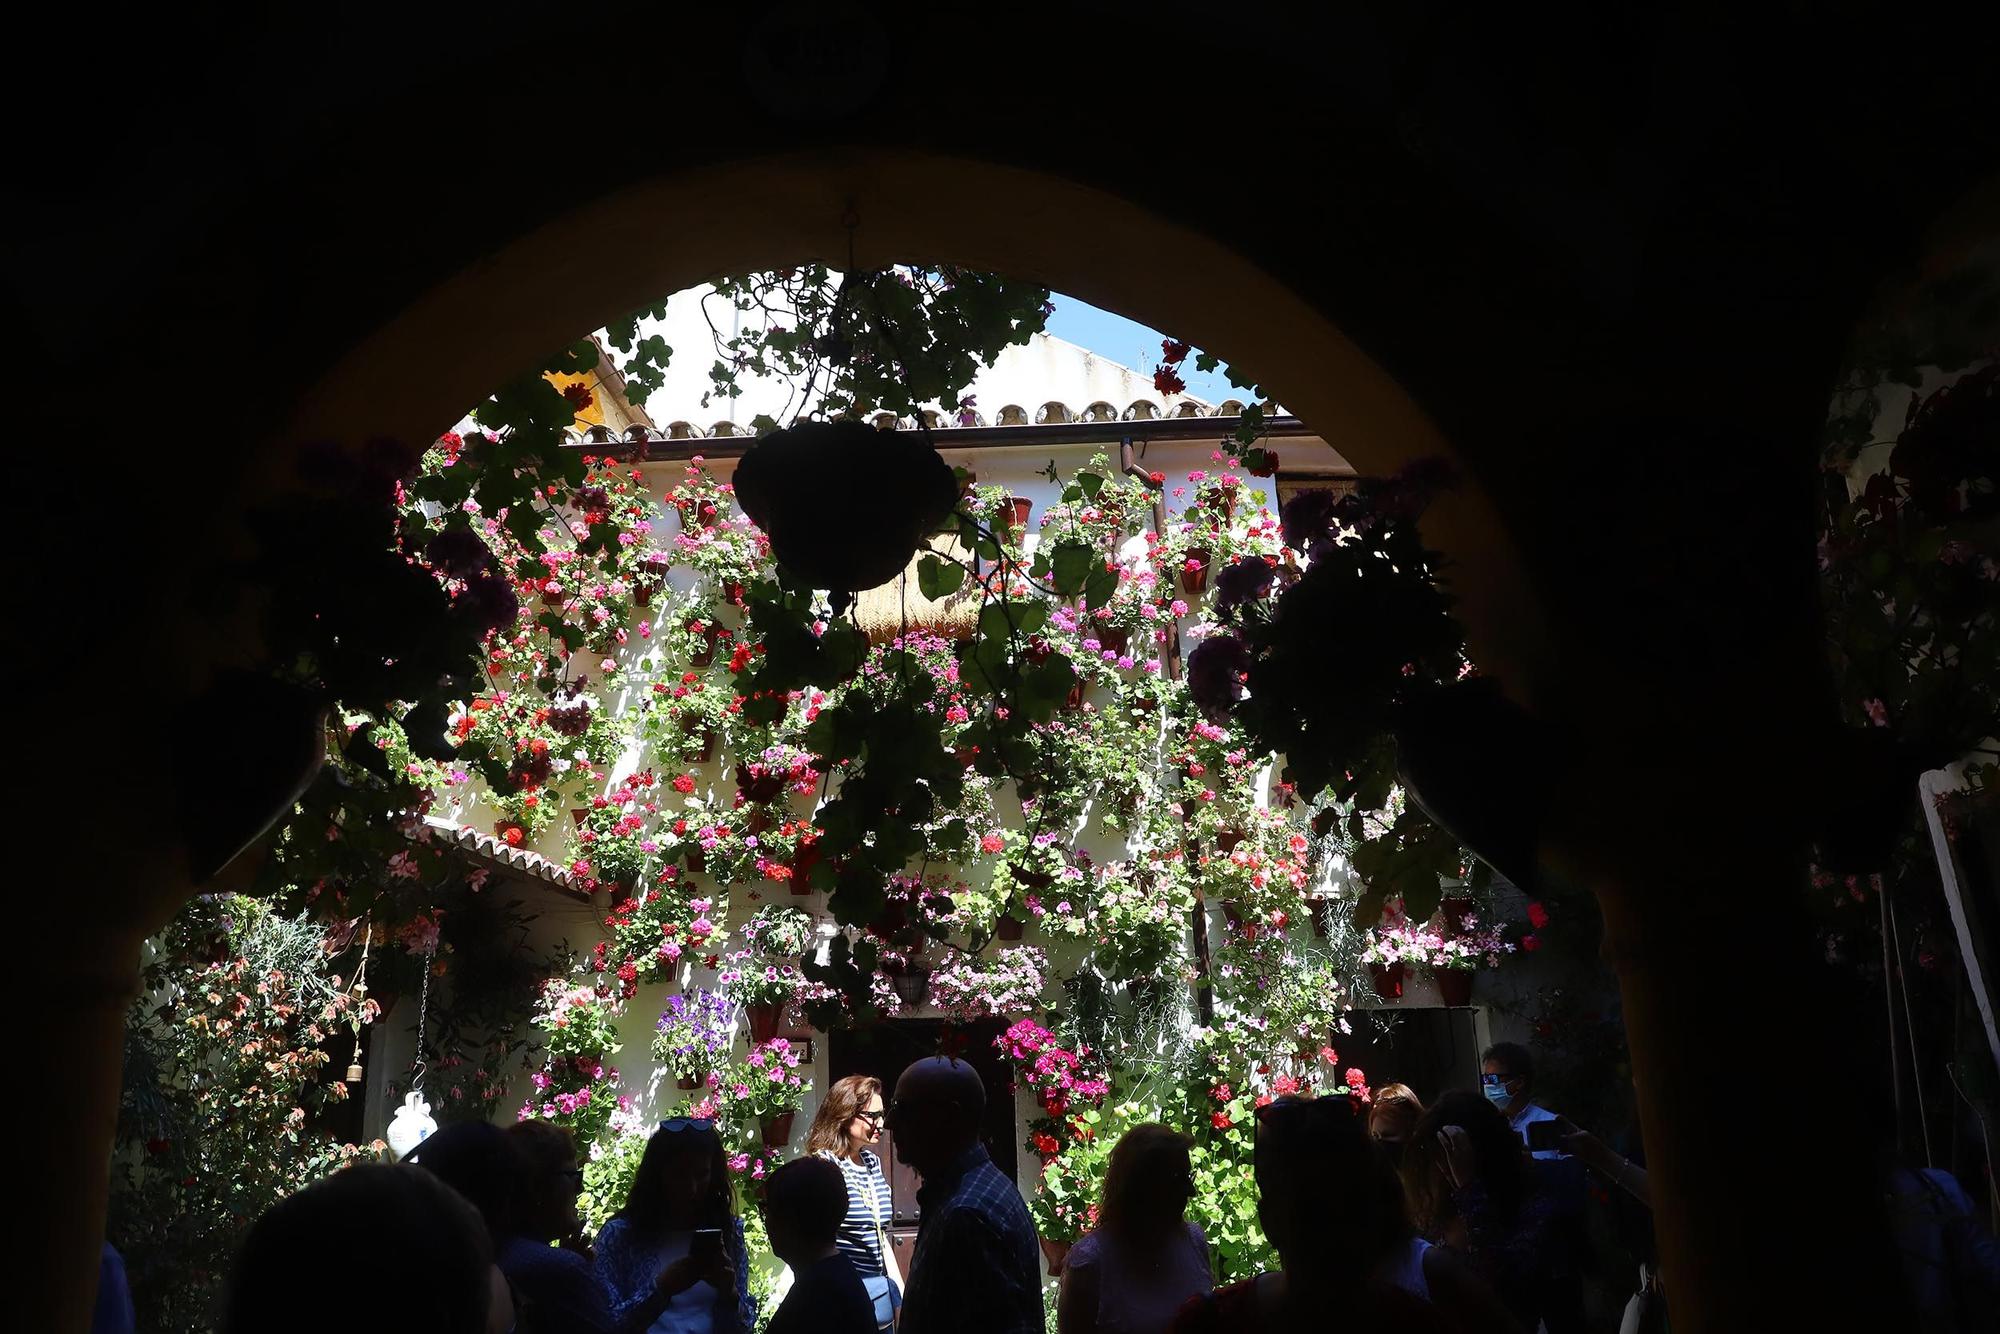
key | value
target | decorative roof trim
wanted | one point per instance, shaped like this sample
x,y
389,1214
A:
x,y
493,852
1052,413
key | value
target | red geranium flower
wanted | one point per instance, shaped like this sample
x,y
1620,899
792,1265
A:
x,y
1220,1120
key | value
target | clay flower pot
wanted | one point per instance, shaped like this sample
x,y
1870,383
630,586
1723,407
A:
x,y
1322,918
776,1128
1455,907
704,655
1388,979
1016,510
1009,927
1194,571
687,1082
1455,985
763,1021
1115,639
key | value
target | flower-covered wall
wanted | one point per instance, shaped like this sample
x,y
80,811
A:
x,y
615,741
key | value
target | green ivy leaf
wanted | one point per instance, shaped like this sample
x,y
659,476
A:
x,y
938,578
1071,564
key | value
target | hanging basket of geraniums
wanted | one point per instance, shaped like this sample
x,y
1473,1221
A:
x,y
694,1035
845,505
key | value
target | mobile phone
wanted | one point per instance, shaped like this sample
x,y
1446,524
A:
x,y
1544,1136
706,1248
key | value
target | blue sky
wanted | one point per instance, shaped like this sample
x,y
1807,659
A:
x,y
1129,343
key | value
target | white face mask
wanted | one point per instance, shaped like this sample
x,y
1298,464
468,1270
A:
x,y
1495,1089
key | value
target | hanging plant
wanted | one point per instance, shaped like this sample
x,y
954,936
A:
x,y
845,505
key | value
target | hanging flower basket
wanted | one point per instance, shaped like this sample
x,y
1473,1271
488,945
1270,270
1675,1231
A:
x,y
1455,985
845,505
763,1021
1115,639
1227,839
708,743
704,655
687,1082
732,592
1388,980
912,984
776,1128
1009,927
1194,570
695,514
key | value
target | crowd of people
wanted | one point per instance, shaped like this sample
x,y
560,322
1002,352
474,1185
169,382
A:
x,y
1447,1217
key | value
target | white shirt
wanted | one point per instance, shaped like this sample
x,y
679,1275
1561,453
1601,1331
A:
x,y
1523,1116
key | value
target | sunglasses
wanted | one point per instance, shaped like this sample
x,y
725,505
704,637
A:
x,y
676,1124
874,1118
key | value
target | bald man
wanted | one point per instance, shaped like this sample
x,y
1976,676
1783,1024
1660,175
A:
x,y
974,1271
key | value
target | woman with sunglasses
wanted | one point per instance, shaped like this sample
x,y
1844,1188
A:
x,y
678,1238
849,1120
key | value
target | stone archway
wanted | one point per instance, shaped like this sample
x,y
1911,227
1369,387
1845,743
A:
x,y
638,244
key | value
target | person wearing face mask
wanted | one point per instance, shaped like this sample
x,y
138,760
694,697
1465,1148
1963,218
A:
x,y
848,1122
1507,1077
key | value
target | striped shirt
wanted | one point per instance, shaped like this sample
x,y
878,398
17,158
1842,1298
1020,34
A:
x,y
860,1238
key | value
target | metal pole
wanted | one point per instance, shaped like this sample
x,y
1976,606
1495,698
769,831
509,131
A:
x,y
1889,997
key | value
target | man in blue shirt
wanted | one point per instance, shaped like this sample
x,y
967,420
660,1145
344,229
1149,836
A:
x,y
975,1269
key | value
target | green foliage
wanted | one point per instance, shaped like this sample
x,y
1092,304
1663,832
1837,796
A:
x,y
225,1056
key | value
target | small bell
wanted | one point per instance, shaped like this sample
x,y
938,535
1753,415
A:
x,y
354,1073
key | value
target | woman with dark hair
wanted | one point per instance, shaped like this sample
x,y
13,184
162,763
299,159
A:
x,y
1144,1259
678,1236
1469,1191
848,1121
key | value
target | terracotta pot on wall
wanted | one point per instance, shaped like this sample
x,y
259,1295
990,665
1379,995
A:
x,y
1016,511
1388,980
687,1082
1115,639
776,1128
1008,927
1196,579
763,1021
1455,985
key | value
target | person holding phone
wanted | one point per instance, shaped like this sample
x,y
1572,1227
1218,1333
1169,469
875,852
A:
x,y
679,1237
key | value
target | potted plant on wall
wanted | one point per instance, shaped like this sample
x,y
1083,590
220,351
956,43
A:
x,y
694,1035
763,987
774,1088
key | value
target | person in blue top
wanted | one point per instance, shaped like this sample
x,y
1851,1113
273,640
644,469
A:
x,y
975,1270
678,1237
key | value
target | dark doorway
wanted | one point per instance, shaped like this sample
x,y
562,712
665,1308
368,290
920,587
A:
x,y
1431,1050
885,1050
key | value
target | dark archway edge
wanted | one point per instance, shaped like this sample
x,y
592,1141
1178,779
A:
x,y
1612,263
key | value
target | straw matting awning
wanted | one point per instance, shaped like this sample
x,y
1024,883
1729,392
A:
x,y
899,606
